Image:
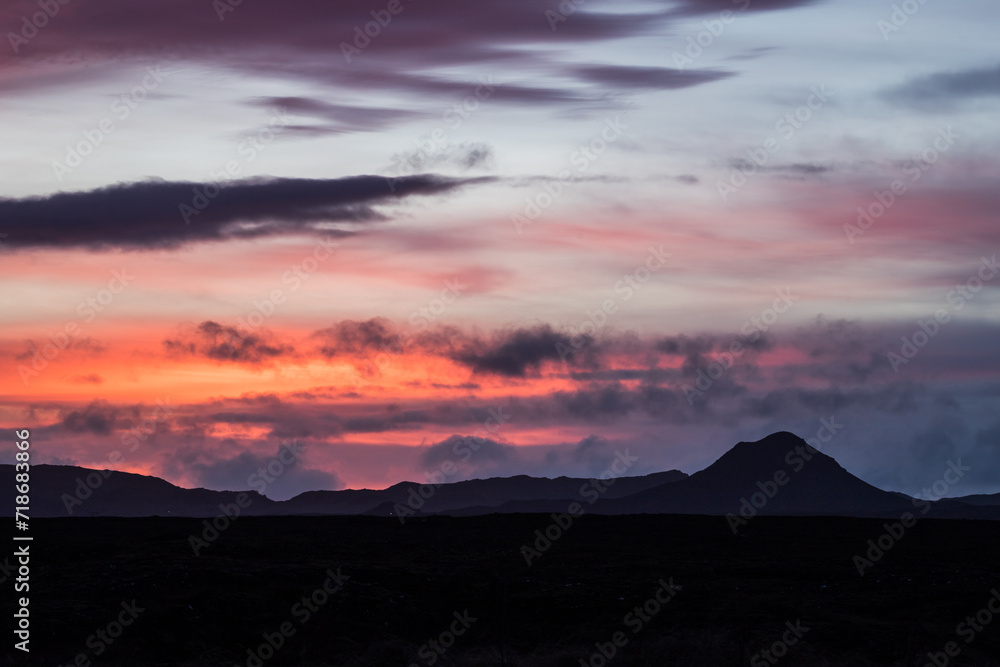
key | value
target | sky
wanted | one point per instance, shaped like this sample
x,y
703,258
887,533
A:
x,y
519,237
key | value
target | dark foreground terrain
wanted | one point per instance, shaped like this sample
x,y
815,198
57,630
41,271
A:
x,y
464,583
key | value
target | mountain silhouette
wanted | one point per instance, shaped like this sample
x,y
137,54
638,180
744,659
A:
x,y
485,494
780,475
981,500
59,491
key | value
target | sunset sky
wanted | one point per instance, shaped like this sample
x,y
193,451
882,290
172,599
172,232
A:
x,y
666,226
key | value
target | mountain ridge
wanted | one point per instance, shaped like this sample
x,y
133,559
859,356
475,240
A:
x,y
779,475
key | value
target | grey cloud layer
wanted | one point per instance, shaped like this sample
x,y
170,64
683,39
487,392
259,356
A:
x,y
306,39
149,214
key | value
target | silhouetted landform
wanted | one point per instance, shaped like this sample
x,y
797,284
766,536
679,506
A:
x,y
780,475
982,500
405,583
59,491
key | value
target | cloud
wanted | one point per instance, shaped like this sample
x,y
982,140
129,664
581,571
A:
x,y
340,118
85,346
516,353
223,343
423,53
350,337
462,448
659,78
792,170
149,214
699,7
99,418
279,476
695,348
462,156
945,90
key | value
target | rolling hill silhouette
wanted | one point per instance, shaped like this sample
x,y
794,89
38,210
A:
x,y
780,475
486,495
59,491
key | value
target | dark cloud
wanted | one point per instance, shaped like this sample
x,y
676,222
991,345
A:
x,y
223,343
458,447
791,170
339,118
684,345
386,422
306,38
610,375
945,90
241,418
461,385
516,353
350,337
149,214
86,345
599,403
699,7
99,418
314,41
251,471
463,156
695,347
805,168
590,446
288,420
660,78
